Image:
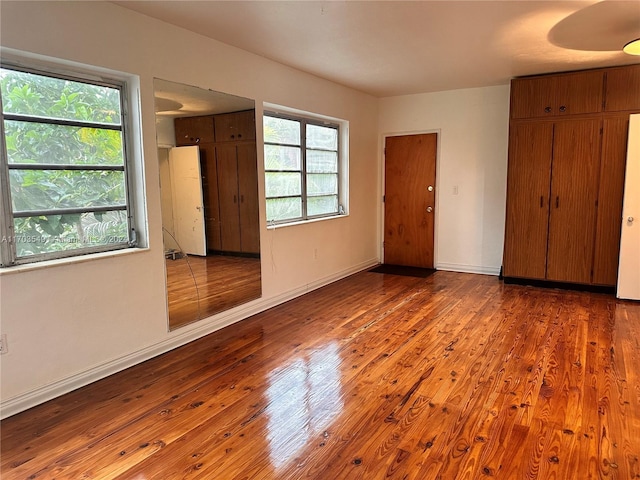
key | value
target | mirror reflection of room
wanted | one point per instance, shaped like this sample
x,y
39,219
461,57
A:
x,y
209,196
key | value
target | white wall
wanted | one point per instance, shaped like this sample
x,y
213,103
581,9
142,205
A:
x,y
473,126
73,322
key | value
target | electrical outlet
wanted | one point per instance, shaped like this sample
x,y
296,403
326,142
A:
x,y
4,346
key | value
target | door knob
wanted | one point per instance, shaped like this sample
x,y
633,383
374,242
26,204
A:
x,y
430,188
429,209
630,219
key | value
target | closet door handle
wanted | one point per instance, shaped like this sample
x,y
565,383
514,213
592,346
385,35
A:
x,y
557,201
235,199
541,201
241,198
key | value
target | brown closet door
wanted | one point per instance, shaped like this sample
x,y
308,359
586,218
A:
x,y
574,192
612,167
528,183
228,197
210,194
248,188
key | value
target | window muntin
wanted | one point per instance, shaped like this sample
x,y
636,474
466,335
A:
x,y
301,168
64,175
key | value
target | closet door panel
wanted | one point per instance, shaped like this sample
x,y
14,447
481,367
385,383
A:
x,y
528,183
228,197
574,192
612,167
248,189
210,193
623,89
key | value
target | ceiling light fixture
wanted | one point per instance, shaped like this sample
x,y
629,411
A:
x,y
633,47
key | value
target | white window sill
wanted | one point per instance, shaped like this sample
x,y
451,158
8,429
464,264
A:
x,y
304,222
90,257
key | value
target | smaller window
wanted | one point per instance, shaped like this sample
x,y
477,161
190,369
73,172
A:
x,y
63,166
302,165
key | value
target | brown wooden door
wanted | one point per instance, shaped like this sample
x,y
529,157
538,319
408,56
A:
x,y
228,197
528,183
248,189
210,194
574,192
410,168
609,225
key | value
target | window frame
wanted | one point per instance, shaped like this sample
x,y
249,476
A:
x,y
8,253
305,120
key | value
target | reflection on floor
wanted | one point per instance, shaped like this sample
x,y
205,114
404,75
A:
x,y
222,282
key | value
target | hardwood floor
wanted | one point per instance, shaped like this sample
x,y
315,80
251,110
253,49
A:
x,y
377,376
198,287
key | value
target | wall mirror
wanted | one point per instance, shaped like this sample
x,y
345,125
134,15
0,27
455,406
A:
x,y
209,194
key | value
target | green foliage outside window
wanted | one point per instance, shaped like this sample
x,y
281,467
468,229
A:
x,y
33,136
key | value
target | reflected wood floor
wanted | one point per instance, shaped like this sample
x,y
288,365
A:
x,y
455,376
198,287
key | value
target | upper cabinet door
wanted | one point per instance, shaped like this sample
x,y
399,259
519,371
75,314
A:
x,y
194,130
622,89
557,95
234,127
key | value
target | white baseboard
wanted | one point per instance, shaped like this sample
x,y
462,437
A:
x,y
462,268
175,339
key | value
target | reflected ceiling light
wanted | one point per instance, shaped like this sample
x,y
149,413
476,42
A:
x,y
167,105
633,47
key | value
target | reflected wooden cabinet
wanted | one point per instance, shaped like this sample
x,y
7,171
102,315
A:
x,y
565,177
237,181
234,127
209,169
229,178
194,130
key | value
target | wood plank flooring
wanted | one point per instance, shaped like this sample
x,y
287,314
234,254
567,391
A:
x,y
198,287
377,376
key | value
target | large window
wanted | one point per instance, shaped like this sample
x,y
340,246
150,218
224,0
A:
x,y
302,165
63,166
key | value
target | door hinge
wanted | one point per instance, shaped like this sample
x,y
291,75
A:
x,y
384,198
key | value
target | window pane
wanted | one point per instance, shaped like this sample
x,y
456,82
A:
x,y
322,183
47,189
283,208
56,233
322,137
40,96
322,205
281,158
58,144
319,161
282,184
281,130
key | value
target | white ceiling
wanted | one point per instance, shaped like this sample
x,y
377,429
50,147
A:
x,y
388,48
